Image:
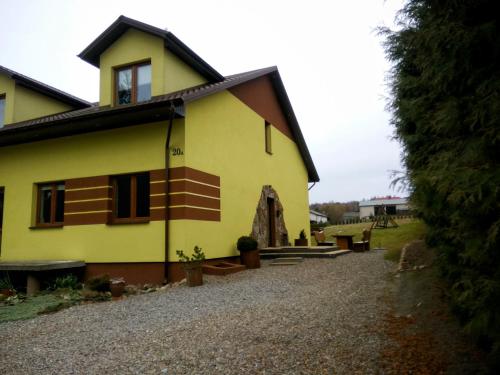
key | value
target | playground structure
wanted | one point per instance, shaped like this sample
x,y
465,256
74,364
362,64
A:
x,y
384,221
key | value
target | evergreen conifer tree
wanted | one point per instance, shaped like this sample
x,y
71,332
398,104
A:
x,y
445,102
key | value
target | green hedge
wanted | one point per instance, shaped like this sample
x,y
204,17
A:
x,y
446,110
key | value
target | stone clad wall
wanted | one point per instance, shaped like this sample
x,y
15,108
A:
x,y
260,227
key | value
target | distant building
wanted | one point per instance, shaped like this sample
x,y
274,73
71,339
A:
x,y
392,206
317,217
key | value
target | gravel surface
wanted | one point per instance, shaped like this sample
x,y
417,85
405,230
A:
x,y
318,317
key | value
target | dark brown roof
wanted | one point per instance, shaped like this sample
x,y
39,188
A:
x,y
92,53
158,108
44,89
184,96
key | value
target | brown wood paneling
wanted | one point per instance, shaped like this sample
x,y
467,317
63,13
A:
x,y
86,218
157,175
157,201
177,173
157,214
158,188
193,174
259,95
85,182
78,195
133,273
191,213
200,176
91,188
193,187
193,200
99,205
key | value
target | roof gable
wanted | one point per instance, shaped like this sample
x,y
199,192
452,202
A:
x,y
44,89
259,94
92,53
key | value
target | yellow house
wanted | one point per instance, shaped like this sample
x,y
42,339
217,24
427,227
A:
x,y
173,155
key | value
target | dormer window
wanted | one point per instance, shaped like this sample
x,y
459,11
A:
x,y
133,84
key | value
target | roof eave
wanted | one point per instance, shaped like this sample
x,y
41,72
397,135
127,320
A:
x,y
294,126
89,122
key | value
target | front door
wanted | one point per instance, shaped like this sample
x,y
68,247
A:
x,y
271,213
1,216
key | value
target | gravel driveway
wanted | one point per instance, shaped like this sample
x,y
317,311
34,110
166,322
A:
x,y
317,317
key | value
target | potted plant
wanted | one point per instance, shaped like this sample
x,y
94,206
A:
x,y
192,266
249,253
302,240
117,286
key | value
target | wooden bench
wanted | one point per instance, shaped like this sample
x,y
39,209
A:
x,y
35,266
321,239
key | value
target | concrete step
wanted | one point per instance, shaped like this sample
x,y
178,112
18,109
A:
x,y
298,249
341,252
284,263
289,259
307,254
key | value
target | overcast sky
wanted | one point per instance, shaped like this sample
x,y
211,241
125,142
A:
x,y
328,54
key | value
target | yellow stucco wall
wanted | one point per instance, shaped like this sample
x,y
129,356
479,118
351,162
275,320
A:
x,y
132,149
220,135
29,104
168,72
226,138
179,75
24,104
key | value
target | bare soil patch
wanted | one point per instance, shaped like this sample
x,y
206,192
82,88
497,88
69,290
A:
x,y
424,336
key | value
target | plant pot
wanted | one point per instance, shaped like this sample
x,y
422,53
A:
x,y
194,273
250,258
301,242
117,288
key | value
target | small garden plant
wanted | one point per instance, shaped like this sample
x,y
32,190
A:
x,y
302,235
246,243
198,255
69,281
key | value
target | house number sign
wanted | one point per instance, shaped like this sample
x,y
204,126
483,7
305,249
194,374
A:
x,y
177,151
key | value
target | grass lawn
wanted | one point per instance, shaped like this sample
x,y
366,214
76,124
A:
x,y
392,239
29,308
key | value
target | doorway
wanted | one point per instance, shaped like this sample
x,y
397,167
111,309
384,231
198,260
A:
x,y
271,213
268,226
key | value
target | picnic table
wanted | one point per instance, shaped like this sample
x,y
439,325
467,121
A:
x,y
344,241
